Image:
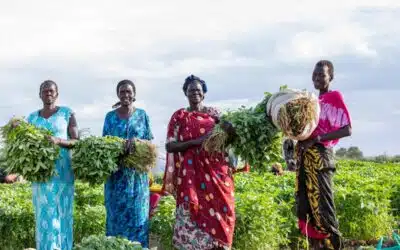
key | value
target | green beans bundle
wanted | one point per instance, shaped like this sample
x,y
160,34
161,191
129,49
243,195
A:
x,y
294,112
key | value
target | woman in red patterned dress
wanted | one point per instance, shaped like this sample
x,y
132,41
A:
x,y
201,183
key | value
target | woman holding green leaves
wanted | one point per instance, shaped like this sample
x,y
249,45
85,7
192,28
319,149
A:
x,y
127,191
53,200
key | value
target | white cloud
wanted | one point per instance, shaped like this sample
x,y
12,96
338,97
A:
x,y
88,46
330,42
100,32
225,105
181,67
368,127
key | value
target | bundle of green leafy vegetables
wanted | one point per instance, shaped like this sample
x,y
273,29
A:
x,y
27,151
101,242
144,156
256,141
96,158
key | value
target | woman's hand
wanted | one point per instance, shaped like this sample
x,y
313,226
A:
x,y
11,178
199,141
228,128
305,145
129,147
54,140
15,123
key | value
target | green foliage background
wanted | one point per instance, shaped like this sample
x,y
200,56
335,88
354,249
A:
x,y
367,197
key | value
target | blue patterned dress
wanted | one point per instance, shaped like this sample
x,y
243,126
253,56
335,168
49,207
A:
x,y
127,191
53,200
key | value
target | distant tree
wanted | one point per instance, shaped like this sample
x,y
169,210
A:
x,y
341,152
354,153
396,158
382,158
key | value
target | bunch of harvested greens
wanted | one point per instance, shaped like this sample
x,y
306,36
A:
x,y
96,158
28,152
257,141
143,158
107,243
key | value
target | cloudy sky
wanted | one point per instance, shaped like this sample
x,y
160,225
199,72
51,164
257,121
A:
x,y
240,48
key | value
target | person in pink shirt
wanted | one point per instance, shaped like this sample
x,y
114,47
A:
x,y
314,195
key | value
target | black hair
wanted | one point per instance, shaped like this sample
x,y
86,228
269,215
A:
x,y
192,78
119,85
126,82
327,63
47,83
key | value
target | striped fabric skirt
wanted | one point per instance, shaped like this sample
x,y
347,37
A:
x,y
314,197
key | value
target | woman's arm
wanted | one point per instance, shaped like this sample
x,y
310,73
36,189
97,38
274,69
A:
x,y
73,134
129,146
338,134
176,147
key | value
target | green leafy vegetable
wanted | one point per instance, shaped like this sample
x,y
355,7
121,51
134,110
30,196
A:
x,y
94,158
257,140
143,158
100,242
28,152
366,198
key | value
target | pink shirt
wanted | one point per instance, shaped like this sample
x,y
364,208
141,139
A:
x,y
334,115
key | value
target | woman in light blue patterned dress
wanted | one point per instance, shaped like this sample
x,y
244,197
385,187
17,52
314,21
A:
x,y
127,191
53,200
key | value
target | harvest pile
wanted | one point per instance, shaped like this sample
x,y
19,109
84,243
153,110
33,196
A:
x,y
28,152
294,112
257,140
96,158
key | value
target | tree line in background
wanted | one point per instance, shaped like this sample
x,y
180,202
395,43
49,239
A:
x,y
355,153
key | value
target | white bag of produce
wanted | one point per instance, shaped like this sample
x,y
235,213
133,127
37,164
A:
x,y
294,112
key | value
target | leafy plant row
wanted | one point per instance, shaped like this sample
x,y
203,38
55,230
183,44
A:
x,y
367,197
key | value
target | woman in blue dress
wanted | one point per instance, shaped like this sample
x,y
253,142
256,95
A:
x,y
127,190
53,200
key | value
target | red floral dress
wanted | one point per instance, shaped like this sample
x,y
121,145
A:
x,y
202,185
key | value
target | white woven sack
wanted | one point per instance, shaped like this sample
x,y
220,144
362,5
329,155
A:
x,y
285,96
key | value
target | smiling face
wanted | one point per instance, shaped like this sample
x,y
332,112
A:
x,y
126,94
48,93
195,93
321,77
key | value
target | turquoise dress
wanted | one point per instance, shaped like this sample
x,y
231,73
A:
x,y
126,192
53,200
